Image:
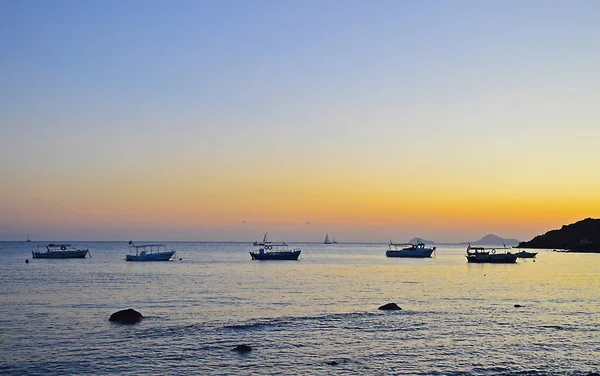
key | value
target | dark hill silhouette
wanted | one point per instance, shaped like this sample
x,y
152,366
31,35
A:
x,y
582,236
420,240
491,239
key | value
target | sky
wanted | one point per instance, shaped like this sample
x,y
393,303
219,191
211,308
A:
x,y
367,120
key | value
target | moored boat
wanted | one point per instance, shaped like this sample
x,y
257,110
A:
x,y
327,241
417,250
525,254
149,252
490,255
275,251
59,251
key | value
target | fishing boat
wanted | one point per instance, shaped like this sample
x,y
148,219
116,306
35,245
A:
x,y
275,251
417,250
525,254
264,241
59,251
149,252
326,239
490,255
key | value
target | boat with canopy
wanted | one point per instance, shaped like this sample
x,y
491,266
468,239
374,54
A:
x,y
149,252
59,251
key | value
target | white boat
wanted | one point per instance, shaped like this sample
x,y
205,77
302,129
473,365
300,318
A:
x,y
149,252
417,250
59,251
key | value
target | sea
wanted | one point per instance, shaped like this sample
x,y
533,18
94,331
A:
x,y
314,316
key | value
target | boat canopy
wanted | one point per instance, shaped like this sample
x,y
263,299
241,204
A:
x,y
59,245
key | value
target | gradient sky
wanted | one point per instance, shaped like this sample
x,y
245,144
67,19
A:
x,y
369,120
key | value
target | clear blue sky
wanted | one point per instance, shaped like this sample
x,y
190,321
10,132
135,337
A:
x,y
194,91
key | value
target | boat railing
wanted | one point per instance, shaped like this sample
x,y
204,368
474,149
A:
x,y
54,247
274,247
486,250
395,246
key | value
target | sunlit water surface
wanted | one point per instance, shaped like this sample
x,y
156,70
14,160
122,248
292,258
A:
x,y
314,316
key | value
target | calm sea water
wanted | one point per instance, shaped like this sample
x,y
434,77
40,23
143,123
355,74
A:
x,y
299,316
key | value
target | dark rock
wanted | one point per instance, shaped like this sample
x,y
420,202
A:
x,y
126,316
518,306
242,348
390,307
27,261
332,363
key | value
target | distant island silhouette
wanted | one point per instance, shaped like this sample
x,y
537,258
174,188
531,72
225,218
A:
x,y
582,236
491,239
420,240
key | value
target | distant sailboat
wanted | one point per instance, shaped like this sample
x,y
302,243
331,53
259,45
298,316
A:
x,y
326,239
28,240
334,242
265,241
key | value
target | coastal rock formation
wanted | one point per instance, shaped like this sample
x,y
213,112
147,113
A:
x,y
582,236
242,348
126,316
390,307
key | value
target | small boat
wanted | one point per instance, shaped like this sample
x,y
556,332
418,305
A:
x,y
148,252
334,242
489,255
275,251
59,251
525,254
265,241
28,240
417,250
326,239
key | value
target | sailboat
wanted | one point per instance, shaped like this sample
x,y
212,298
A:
x,y
264,241
326,239
28,240
334,242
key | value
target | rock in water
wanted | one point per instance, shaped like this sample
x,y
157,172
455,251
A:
x,y
242,348
126,316
390,307
518,306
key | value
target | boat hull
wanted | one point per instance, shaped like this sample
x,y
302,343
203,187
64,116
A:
x,y
286,255
80,253
525,254
157,256
421,253
507,258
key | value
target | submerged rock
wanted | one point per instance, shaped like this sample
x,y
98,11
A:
x,y
332,363
518,306
390,307
242,348
126,316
